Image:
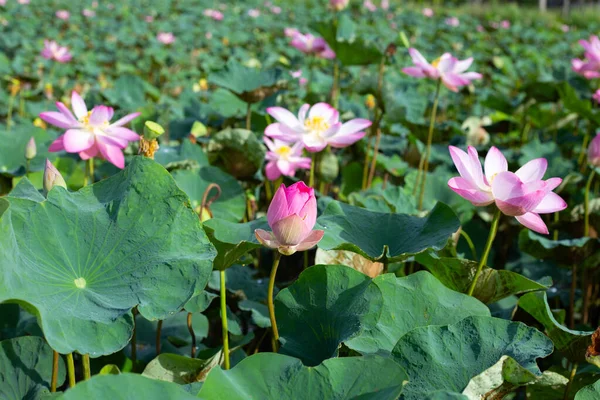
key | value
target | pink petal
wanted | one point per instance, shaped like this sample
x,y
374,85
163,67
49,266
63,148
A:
x,y
290,231
76,140
89,153
311,240
417,57
534,222
57,145
463,65
533,170
284,117
495,162
552,183
302,113
282,132
415,72
113,141
297,196
551,203
285,167
309,212
447,63
57,119
271,171
453,82
278,209
112,154
470,76
66,112
477,197
126,119
99,115
325,111
463,164
266,238
79,107
123,133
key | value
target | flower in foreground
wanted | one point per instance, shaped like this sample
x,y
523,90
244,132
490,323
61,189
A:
x,y
53,51
522,194
594,151
165,37
90,133
284,159
316,127
292,215
447,68
52,177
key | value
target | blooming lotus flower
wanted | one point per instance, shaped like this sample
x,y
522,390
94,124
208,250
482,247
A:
x,y
62,14
428,12
290,32
292,215
368,4
452,21
339,5
447,68
52,51
522,194
309,44
90,133
284,159
165,37
589,68
594,151
316,127
505,24
214,14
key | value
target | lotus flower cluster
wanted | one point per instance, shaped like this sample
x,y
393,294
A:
x,y
447,68
53,51
522,194
90,133
589,67
292,215
309,44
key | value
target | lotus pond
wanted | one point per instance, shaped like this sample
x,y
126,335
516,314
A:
x,y
298,200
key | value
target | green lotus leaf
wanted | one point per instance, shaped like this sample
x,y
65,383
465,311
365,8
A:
x,y
125,387
238,150
382,236
583,251
249,84
179,369
276,376
590,392
84,259
492,286
12,151
26,368
569,342
448,357
186,154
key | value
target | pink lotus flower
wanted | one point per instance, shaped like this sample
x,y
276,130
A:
x,y
505,24
452,21
62,14
253,13
165,37
290,32
88,13
447,68
522,194
316,127
214,14
23,1
292,215
594,151
52,51
428,12
589,68
309,44
284,159
90,133
298,75
276,10
368,4
385,4
339,5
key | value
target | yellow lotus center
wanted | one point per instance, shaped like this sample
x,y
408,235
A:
x,y
436,62
80,283
86,118
316,124
283,151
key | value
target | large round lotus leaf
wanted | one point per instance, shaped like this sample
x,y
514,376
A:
x,y
26,368
590,392
125,387
326,306
85,259
186,154
230,205
249,84
276,376
382,236
448,357
582,251
410,302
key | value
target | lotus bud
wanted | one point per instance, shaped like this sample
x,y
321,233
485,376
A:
x,y
52,177
594,152
292,215
30,150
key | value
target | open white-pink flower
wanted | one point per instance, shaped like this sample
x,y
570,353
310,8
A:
x,y
53,51
90,133
316,127
284,159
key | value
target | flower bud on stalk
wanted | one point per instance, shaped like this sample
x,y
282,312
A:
x,y
30,150
52,177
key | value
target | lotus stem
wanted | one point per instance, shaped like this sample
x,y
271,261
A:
x,y
134,342
335,88
27,167
249,116
366,165
486,251
71,370
572,296
276,259
470,243
268,191
582,152
86,367
224,319
54,380
89,172
158,335
586,205
429,140
571,377
374,160
192,334
313,163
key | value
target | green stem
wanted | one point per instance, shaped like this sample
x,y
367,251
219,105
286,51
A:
x,y
224,319
71,370
486,251
54,380
192,334
335,89
313,163
582,152
586,205
134,342
276,259
158,335
366,164
11,103
572,296
571,377
249,116
429,140
27,167
86,367
470,243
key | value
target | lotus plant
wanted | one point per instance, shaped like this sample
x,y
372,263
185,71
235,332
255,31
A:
x,y
90,133
291,216
284,159
53,51
312,45
589,67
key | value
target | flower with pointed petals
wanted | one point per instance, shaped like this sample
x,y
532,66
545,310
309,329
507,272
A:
x,y
310,44
53,51
284,159
90,133
447,68
292,215
594,151
589,67
522,194
316,127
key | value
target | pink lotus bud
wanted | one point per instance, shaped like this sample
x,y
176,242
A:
x,y
594,151
30,149
292,215
52,177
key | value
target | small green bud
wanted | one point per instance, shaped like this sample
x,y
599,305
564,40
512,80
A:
x,y
30,150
